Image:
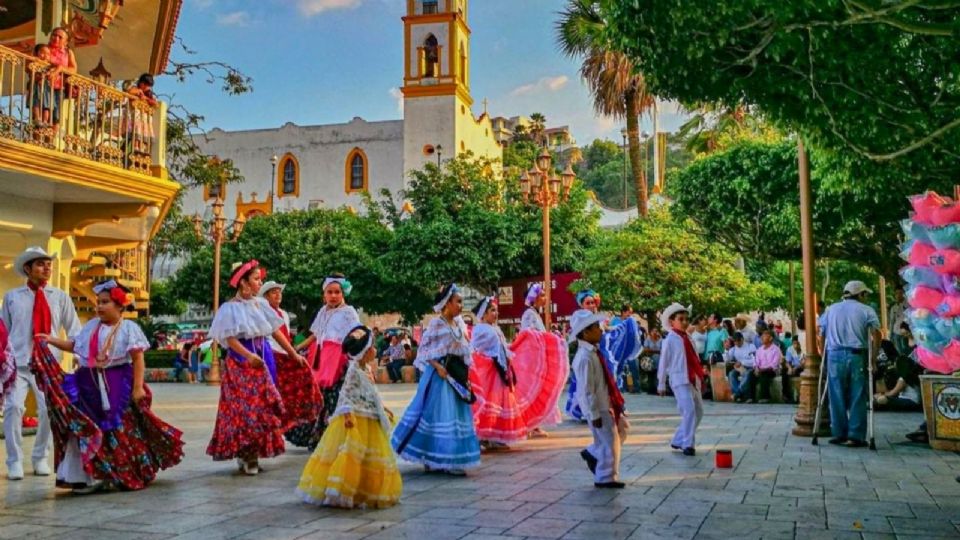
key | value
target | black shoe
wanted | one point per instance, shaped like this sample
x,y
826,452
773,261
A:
x,y
675,447
918,437
838,440
738,399
856,443
591,461
609,485
689,451
754,401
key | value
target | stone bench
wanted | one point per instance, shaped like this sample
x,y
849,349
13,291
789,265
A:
x,y
408,375
723,392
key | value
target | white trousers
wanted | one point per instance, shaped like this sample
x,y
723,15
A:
x,y
14,405
71,468
690,405
606,449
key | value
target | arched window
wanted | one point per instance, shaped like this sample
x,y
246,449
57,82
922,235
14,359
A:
x,y
357,172
429,7
288,176
431,57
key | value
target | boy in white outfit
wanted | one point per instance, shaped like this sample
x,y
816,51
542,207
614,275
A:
x,y
599,399
680,364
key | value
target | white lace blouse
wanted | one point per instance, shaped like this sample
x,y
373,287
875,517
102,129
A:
x,y
531,319
441,339
489,341
334,324
129,338
359,396
244,319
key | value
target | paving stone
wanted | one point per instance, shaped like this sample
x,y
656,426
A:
x,y
543,528
593,531
927,526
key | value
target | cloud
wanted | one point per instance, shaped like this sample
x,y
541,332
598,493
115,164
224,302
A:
x,y
396,94
545,84
236,18
316,7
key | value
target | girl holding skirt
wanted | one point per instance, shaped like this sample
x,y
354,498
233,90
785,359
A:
x,y
104,432
250,414
329,366
542,361
354,465
437,429
301,398
517,390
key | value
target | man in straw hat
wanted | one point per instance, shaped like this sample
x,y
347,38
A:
x,y
680,365
847,328
36,308
599,399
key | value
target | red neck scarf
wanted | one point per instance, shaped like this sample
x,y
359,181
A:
x,y
42,319
694,369
283,327
616,398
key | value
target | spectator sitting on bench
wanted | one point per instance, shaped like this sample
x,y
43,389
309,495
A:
x,y
768,362
742,379
793,367
905,395
395,357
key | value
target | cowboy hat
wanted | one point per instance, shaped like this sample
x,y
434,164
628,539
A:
x,y
269,286
580,321
31,254
672,310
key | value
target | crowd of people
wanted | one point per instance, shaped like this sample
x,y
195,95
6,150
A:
x,y
477,390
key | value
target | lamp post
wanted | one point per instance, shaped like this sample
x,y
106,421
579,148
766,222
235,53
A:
x,y
217,231
439,149
623,132
542,187
273,178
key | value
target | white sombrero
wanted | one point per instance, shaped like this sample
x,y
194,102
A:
x,y
671,310
269,286
31,254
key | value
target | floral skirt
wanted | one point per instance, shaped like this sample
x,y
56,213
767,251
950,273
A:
x,y
127,456
249,417
302,400
437,427
352,467
308,434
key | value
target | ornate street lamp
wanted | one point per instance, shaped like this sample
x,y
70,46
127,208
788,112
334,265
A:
x,y
273,178
217,231
542,187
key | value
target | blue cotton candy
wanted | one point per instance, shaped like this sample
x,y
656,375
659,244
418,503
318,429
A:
x,y
930,339
945,237
914,231
920,275
948,327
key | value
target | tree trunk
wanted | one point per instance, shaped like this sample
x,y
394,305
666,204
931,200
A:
x,y
633,137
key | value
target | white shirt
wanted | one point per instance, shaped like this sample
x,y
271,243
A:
x,y
749,335
591,393
489,341
699,342
17,315
673,362
746,354
847,324
129,338
531,319
286,322
334,324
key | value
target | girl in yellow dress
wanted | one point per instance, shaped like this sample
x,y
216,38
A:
x,y
354,465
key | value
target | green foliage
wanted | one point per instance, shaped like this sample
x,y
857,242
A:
x,y
159,359
661,259
607,181
831,275
599,153
165,300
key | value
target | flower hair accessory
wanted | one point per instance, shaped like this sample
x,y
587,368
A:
x,y
117,293
586,293
345,284
240,270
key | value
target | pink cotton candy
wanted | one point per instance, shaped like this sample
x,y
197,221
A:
x,y
945,261
920,254
921,297
924,206
935,362
951,357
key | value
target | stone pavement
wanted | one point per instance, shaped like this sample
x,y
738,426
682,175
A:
x,y
781,487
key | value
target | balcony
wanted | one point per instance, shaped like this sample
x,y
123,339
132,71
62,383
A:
x,y
78,116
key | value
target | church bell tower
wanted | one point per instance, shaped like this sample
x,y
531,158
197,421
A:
x,y
438,119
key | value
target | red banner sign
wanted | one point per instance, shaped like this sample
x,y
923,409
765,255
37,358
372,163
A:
x,y
512,295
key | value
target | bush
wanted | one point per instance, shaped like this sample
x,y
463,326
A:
x,y
159,359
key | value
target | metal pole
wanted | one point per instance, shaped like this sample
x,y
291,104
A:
x,y
547,280
273,182
806,410
213,377
884,320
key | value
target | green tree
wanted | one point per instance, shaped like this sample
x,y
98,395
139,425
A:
x,y
607,182
538,126
618,87
301,248
166,300
599,153
659,260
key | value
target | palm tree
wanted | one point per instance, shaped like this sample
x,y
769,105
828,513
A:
x,y
618,90
538,127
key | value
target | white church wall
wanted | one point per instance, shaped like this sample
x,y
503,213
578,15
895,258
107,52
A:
x,y
418,35
429,120
321,151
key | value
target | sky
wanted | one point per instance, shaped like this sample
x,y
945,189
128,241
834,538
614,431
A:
x,y
327,61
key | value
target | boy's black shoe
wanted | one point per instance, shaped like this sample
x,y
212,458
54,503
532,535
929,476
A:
x,y
591,461
838,440
918,437
689,451
675,447
610,485
856,443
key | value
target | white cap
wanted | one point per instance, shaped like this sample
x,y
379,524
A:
x,y
269,286
671,310
580,321
31,254
855,288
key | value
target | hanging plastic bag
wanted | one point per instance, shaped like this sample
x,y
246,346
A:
x,y
914,231
921,297
945,261
946,237
949,307
919,253
922,275
948,327
924,206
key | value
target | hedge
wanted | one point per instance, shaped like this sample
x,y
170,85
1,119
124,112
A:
x,y
159,359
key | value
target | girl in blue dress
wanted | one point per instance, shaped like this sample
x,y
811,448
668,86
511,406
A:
x,y
437,429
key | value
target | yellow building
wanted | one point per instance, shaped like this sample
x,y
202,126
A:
x,y
82,163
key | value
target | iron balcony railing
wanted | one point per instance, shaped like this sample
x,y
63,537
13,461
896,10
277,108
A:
x,y
76,115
